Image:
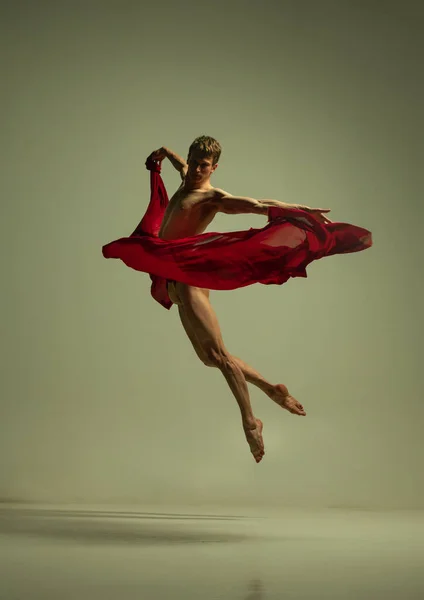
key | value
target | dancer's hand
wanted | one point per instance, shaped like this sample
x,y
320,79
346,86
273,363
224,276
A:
x,y
317,212
160,154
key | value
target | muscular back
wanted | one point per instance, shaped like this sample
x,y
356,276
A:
x,y
188,213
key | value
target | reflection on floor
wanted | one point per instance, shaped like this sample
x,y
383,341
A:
x,y
68,553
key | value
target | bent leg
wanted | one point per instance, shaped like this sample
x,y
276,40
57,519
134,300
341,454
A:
x,y
203,329
249,373
278,393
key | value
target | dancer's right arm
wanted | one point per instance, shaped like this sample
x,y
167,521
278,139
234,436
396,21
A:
x,y
177,162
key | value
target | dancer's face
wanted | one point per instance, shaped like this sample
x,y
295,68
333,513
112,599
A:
x,y
200,168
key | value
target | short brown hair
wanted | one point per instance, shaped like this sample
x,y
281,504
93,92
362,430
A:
x,y
206,146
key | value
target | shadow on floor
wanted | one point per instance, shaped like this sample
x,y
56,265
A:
x,y
129,528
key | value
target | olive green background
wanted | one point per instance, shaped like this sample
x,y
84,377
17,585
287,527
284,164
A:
x,y
102,397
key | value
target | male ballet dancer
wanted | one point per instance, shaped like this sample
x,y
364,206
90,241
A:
x,y
190,210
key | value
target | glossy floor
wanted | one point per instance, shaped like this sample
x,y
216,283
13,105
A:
x,y
72,553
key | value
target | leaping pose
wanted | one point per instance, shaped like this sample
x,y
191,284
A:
x,y
184,263
190,210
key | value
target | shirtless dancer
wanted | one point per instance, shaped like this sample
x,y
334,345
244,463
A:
x,y
189,212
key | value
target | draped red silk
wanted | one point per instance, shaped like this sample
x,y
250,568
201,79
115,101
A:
x,y
290,241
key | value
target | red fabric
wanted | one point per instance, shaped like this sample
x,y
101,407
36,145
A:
x,y
290,241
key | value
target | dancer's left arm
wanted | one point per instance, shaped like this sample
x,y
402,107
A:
x,y
236,205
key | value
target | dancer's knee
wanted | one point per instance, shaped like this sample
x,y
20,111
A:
x,y
207,361
218,358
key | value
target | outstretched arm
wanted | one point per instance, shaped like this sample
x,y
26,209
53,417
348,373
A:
x,y
235,205
177,162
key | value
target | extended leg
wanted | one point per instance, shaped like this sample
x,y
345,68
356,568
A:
x,y
196,312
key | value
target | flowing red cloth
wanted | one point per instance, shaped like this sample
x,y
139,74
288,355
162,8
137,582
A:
x,y
290,241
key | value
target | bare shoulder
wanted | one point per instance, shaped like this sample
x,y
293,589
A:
x,y
219,193
206,196
207,199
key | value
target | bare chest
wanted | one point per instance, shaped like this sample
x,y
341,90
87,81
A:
x,y
187,214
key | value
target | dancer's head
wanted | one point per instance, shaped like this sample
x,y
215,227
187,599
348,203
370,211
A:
x,y
203,156
205,146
